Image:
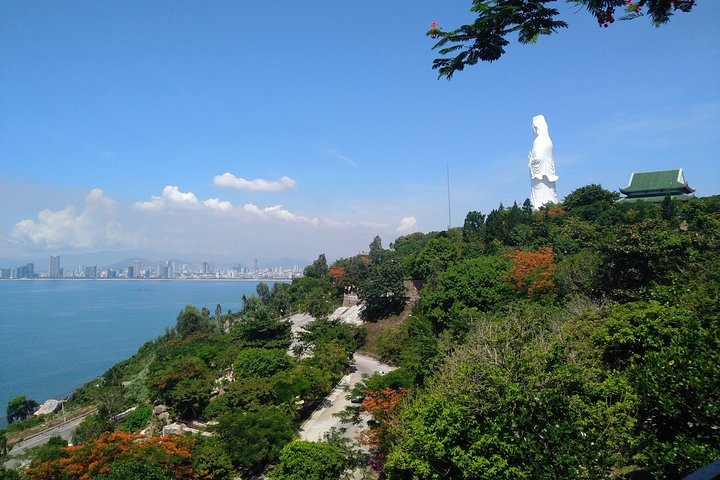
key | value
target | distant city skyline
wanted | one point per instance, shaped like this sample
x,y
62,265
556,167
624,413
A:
x,y
134,129
164,269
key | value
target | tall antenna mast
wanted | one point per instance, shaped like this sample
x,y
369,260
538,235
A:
x,y
448,188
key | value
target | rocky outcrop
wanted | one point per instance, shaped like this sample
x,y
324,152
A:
x,y
48,407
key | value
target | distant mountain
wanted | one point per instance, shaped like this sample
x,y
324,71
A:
x,y
121,265
285,262
70,261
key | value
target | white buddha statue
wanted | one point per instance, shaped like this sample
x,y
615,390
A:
x,y
542,166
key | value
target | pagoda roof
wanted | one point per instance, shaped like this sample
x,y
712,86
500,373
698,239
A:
x,y
657,183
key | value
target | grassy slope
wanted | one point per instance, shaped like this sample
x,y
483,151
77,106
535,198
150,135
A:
x,y
375,329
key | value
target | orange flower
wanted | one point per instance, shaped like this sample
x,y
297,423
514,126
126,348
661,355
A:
x,y
87,461
532,271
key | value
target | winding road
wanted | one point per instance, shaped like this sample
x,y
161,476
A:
x,y
322,419
65,430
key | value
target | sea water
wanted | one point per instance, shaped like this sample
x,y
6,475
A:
x,y
55,335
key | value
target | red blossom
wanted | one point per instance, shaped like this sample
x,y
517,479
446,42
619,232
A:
x,y
383,406
532,271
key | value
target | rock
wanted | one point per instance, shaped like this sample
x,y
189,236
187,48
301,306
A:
x,y
49,406
160,409
173,429
180,429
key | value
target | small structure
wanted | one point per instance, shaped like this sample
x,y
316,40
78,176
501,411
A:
x,y
655,186
350,299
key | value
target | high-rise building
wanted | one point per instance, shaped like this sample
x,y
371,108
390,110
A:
x,y
136,268
54,266
90,271
25,271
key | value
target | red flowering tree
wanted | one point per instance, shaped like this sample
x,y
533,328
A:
x,y
383,406
337,273
557,212
532,272
169,455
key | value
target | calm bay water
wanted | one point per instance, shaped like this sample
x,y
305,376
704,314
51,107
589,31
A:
x,y
55,335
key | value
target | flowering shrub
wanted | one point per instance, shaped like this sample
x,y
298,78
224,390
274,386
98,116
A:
x,y
532,271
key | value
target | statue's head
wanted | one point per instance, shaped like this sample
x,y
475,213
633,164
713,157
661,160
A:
x,y
539,125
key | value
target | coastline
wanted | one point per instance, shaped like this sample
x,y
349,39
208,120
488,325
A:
x,y
59,335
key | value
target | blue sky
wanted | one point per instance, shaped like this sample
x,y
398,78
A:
x,y
119,121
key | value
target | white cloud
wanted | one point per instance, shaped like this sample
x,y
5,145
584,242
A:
x,y
217,204
280,213
252,209
97,197
96,226
171,197
340,156
406,224
258,185
177,222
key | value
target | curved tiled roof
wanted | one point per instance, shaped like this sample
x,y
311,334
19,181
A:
x,y
657,183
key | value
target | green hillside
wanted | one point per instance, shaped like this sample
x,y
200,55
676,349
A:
x,y
578,341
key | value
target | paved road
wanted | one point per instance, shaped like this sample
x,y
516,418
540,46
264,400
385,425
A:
x,y
322,419
65,430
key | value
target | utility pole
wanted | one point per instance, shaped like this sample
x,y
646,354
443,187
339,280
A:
x,y
448,190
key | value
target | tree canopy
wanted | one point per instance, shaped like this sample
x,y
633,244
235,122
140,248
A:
x,y
255,438
301,460
190,321
318,269
487,37
20,408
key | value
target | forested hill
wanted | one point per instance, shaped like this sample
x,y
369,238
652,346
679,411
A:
x,y
581,341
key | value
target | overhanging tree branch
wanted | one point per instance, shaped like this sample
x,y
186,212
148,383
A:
x,y
486,38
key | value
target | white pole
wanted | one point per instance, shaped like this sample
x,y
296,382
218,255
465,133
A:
x,y
448,190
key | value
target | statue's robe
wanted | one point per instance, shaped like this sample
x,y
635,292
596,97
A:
x,y
542,166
